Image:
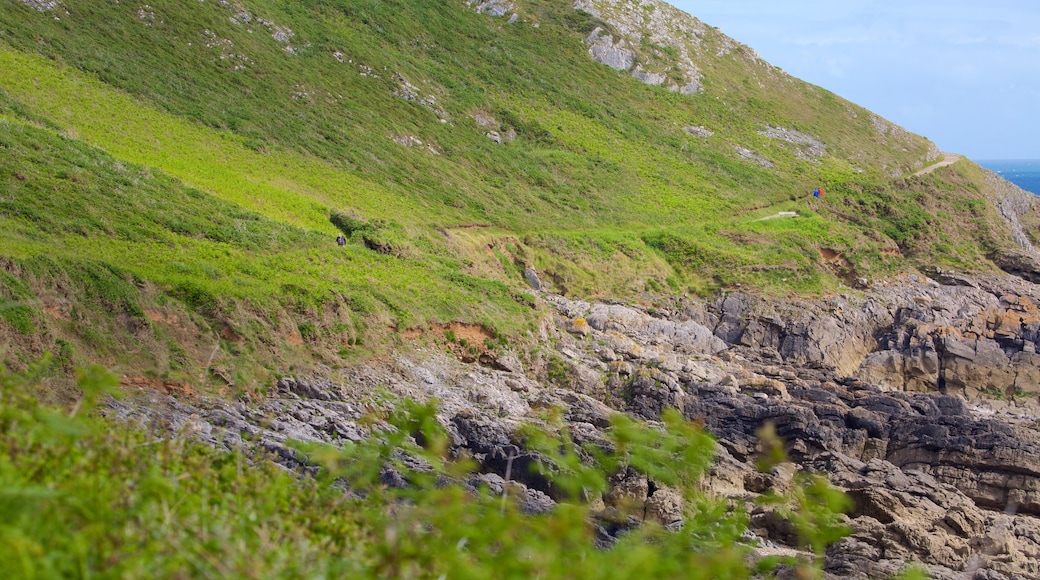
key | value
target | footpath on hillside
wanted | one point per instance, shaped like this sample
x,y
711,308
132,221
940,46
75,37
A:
x,y
948,159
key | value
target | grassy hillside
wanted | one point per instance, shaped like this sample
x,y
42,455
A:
x,y
172,176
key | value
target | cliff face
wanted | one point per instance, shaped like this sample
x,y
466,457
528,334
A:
x,y
891,392
468,149
660,25
884,392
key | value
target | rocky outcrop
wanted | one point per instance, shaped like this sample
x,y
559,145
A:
x,y
975,340
41,5
938,476
653,24
1013,203
886,392
699,131
605,50
807,147
751,155
901,515
496,8
836,333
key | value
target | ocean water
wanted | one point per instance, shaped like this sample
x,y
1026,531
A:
x,y
1024,173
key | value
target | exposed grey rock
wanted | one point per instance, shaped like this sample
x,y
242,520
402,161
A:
x,y
884,391
650,78
41,5
1024,264
665,506
310,388
746,153
506,360
605,50
491,444
699,131
531,275
628,492
496,8
887,129
690,88
968,339
585,409
409,92
656,24
407,140
282,34
686,337
912,516
530,500
485,120
810,147
802,333
1012,202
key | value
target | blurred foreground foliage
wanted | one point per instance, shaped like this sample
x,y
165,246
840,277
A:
x,y
86,496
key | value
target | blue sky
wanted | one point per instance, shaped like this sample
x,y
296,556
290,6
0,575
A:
x,y
965,74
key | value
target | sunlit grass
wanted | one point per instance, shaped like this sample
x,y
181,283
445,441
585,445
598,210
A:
x,y
198,159
282,186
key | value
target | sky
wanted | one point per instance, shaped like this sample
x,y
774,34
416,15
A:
x,y
965,74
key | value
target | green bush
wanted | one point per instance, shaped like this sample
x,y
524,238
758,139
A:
x,y
84,496
349,224
18,315
308,330
81,497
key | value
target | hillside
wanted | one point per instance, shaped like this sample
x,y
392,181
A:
x,y
570,214
171,170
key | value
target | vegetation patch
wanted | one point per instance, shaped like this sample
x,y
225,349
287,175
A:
x,y
215,162
160,504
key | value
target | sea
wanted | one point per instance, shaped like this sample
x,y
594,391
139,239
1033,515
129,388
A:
x,y
1024,173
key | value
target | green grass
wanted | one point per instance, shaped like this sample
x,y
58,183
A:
x,y
284,187
171,182
602,148
100,228
198,161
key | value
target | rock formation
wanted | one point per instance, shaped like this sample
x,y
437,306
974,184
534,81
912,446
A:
x,y
919,398
655,23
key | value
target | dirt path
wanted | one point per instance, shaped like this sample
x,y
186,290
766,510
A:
x,y
783,214
950,159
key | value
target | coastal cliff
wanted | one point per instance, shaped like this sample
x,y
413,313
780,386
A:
x,y
936,442
270,219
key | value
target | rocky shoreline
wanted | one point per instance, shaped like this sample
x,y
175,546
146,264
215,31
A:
x,y
918,397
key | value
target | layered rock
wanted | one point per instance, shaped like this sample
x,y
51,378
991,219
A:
x,y
938,476
965,340
885,392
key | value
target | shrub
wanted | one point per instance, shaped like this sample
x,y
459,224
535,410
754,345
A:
x,y
83,496
18,316
308,330
350,224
